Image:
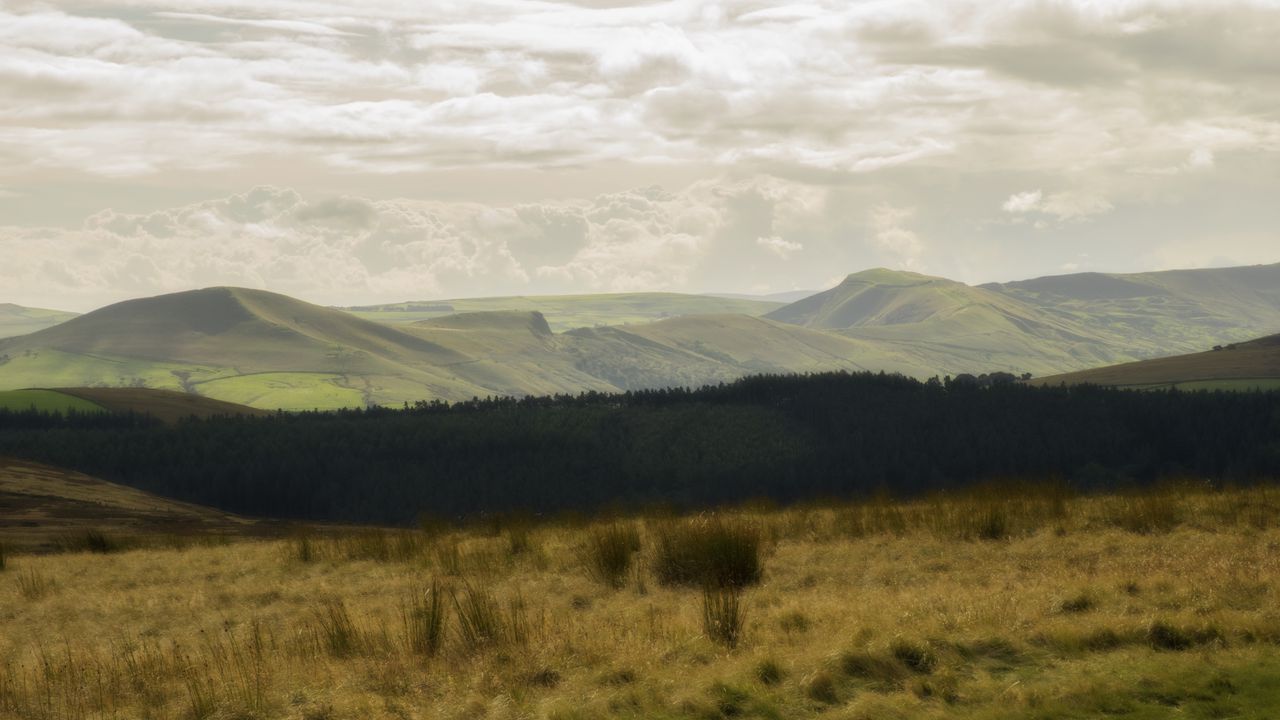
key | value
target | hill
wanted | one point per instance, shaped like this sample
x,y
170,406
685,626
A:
x,y
566,312
268,351
19,320
1161,313
1050,324
165,405
948,326
42,507
1253,364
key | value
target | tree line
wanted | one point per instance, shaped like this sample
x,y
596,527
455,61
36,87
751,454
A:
x,y
785,438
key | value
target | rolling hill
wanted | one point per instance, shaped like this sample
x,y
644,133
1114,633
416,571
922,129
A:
x,y
266,350
566,312
271,351
42,507
18,320
1162,313
1246,365
164,405
1046,325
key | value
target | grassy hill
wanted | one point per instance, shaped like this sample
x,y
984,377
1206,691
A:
x,y
1046,325
166,405
948,326
1161,313
19,320
565,312
270,351
267,350
1246,365
42,508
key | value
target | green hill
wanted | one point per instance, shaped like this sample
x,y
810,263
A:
x,y
1236,366
566,312
948,326
1046,325
19,320
267,350
1161,313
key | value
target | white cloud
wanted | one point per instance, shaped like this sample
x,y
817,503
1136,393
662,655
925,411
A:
x,y
350,250
779,246
1066,205
143,87
889,235
1023,202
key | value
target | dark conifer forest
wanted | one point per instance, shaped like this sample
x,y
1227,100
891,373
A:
x,y
782,438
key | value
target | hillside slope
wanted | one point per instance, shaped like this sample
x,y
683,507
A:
x,y
1253,364
948,326
1161,313
267,350
42,506
1050,324
18,320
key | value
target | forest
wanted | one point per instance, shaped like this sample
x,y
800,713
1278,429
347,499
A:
x,y
783,439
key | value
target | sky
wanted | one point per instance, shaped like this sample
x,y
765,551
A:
x,y
389,150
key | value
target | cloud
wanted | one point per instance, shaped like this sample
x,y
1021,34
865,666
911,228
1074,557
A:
x,y
354,250
778,246
141,87
1066,205
889,235
1023,202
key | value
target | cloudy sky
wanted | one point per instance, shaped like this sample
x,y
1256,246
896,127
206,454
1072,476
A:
x,y
382,150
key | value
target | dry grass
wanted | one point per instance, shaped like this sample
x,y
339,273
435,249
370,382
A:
x,y
1133,606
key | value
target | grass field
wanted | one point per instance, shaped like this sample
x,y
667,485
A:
x,y
46,400
998,605
293,390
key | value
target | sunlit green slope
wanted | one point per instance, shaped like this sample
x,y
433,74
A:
x,y
19,320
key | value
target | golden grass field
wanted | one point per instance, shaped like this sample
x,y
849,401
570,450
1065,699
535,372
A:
x,y
999,605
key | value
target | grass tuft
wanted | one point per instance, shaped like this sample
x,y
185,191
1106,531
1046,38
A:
x,y
32,585
769,672
337,633
723,615
608,553
482,623
708,551
424,614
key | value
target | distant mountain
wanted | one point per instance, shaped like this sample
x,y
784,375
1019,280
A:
x,y
1049,324
1252,364
947,325
566,312
1162,313
268,350
19,320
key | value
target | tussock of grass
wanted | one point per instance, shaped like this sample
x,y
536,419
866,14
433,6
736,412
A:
x,y
608,552
708,551
723,615
483,623
33,585
424,614
335,631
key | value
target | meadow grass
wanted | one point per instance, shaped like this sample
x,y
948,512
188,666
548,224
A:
x,y
981,605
